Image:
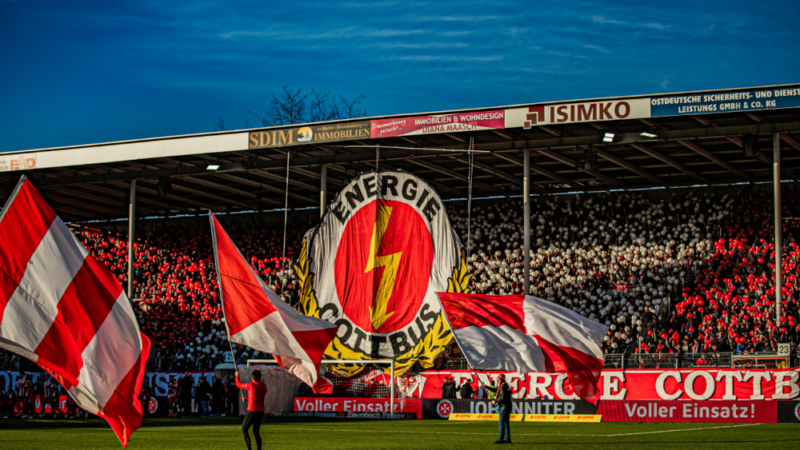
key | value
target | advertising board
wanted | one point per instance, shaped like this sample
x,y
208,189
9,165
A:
x,y
437,124
721,411
309,134
631,384
722,102
357,405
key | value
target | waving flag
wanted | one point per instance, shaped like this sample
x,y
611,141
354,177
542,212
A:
x,y
527,334
258,318
66,312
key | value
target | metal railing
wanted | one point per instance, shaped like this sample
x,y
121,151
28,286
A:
x,y
696,360
719,359
761,361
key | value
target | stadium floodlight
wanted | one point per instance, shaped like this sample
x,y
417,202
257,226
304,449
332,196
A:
x,y
648,134
212,167
609,137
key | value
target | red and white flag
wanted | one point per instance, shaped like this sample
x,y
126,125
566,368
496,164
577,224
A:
x,y
527,334
66,312
260,319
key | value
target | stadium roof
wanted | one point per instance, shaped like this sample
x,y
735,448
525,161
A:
x,y
620,143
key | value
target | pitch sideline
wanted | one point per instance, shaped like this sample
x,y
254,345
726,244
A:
x,y
457,432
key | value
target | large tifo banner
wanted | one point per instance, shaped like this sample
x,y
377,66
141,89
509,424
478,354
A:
x,y
373,266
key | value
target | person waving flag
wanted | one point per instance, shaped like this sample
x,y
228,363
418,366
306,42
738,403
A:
x,y
523,333
66,312
257,317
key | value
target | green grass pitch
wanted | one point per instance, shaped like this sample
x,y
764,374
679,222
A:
x,y
279,433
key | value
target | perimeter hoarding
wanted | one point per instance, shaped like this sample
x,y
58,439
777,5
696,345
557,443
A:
x,y
442,408
358,405
722,411
713,411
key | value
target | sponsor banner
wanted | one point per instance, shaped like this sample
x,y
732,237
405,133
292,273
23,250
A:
x,y
597,111
722,102
483,417
695,384
523,386
444,123
309,134
373,266
633,384
358,405
571,418
159,382
17,162
443,408
788,412
689,411
348,415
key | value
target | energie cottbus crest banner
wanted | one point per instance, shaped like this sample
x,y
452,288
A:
x,y
373,266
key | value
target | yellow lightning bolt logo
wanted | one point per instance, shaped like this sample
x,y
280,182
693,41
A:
x,y
380,303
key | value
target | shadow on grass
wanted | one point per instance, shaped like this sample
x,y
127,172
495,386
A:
x,y
94,422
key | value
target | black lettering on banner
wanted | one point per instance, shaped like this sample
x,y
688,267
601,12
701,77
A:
x,y
410,194
399,343
431,208
355,195
330,307
360,337
348,329
426,314
421,200
375,351
414,337
389,182
340,212
369,186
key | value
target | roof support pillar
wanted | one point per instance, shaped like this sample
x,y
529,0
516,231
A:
x,y
776,174
526,205
131,224
323,189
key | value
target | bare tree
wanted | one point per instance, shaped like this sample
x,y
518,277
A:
x,y
293,106
350,107
220,124
322,107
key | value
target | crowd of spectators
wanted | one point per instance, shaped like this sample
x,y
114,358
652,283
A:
x,y
690,272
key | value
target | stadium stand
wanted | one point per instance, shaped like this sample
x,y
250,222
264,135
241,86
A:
x,y
688,275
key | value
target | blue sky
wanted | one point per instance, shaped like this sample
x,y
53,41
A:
x,y
77,72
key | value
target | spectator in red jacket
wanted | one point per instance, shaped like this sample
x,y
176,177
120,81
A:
x,y
256,392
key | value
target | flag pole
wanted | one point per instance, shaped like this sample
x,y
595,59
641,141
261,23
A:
x,y
285,220
211,218
472,369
